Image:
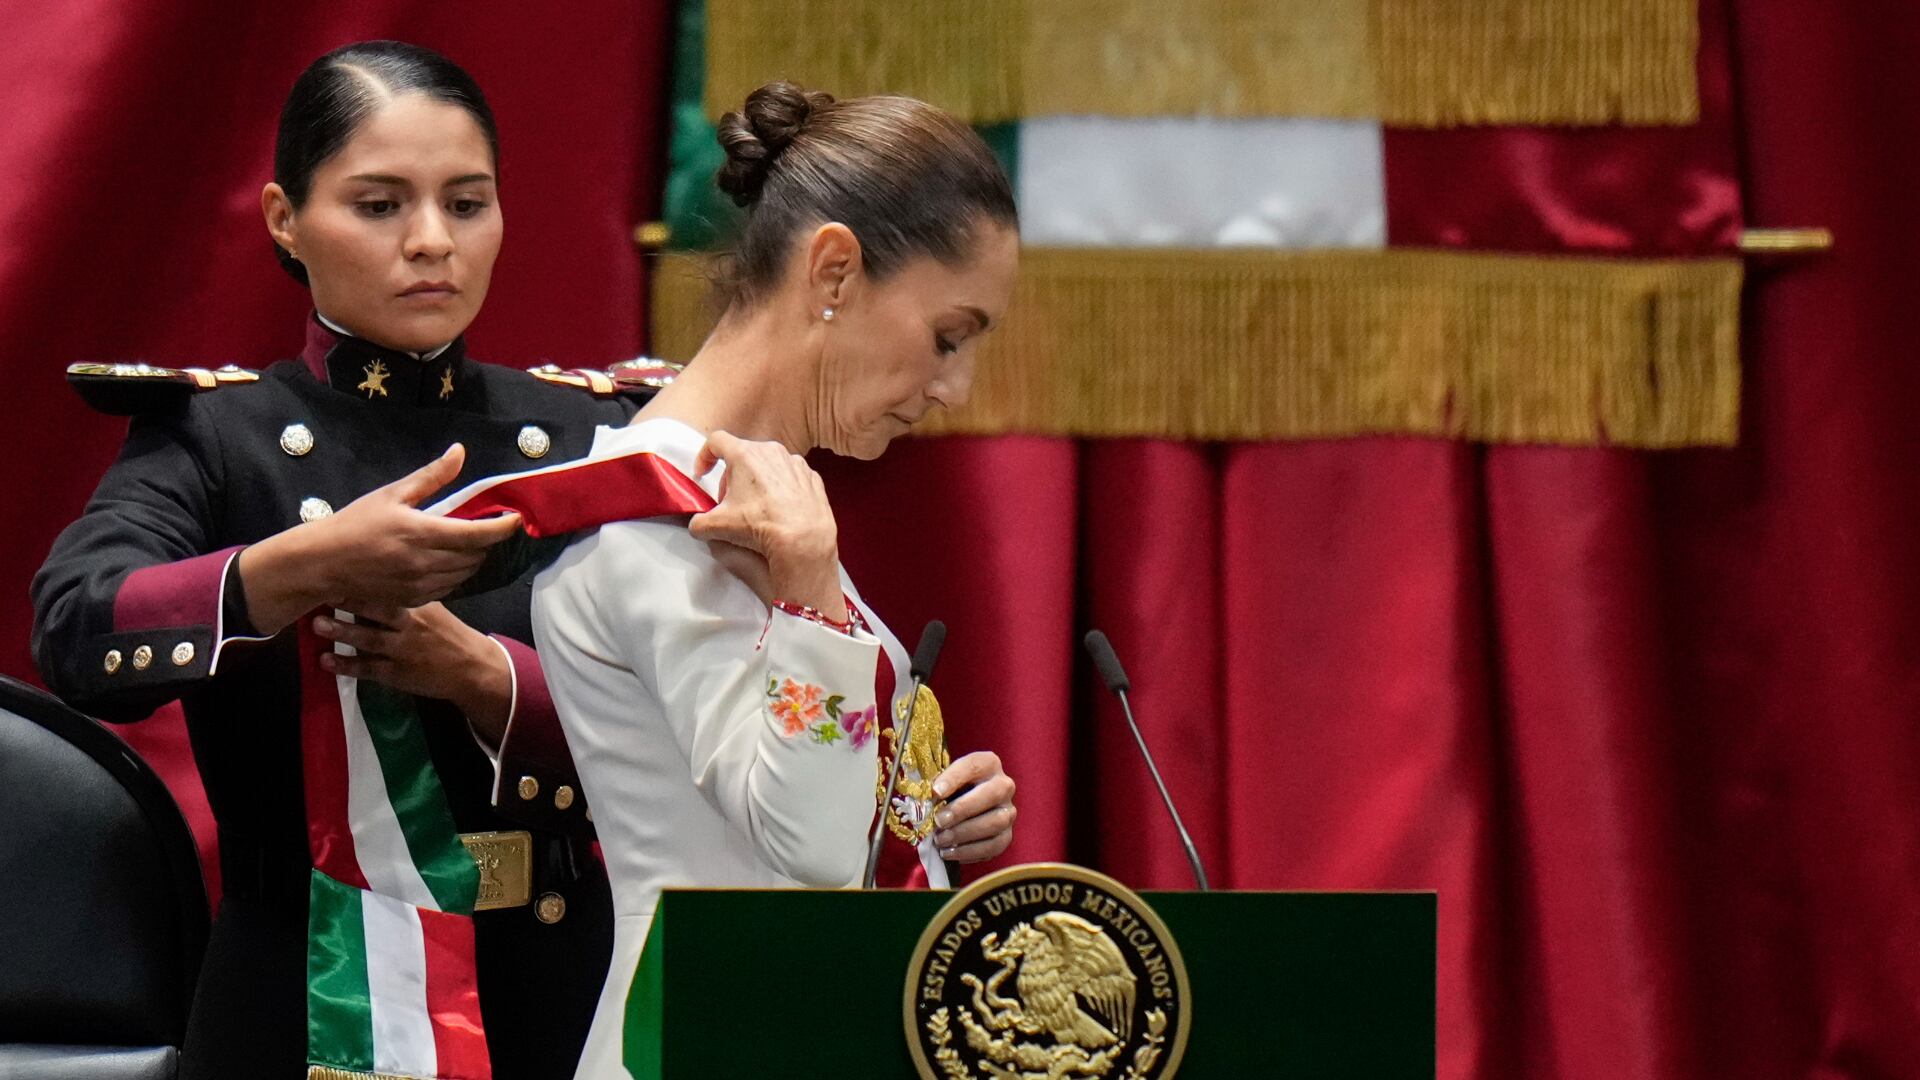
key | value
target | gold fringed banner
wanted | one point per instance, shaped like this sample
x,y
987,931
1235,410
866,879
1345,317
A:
x,y
1440,63
1260,345
1411,63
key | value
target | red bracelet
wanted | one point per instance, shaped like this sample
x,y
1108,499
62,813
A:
x,y
802,611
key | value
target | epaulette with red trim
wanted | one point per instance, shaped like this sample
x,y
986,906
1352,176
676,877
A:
x,y
641,375
128,389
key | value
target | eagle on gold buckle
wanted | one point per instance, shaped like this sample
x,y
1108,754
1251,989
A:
x,y
505,861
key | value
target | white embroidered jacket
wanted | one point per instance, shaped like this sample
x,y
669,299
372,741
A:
x,y
719,744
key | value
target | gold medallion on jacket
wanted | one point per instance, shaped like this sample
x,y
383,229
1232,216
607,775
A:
x,y
925,758
1047,971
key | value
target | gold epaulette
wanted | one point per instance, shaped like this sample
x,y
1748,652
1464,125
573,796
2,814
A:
x,y
126,389
639,375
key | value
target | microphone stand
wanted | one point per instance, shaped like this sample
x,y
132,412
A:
x,y
1115,676
925,655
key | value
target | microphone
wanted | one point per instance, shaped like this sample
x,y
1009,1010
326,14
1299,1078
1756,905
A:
x,y
925,655
932,638
1115,677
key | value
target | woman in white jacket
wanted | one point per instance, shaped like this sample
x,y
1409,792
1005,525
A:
x,y
721,683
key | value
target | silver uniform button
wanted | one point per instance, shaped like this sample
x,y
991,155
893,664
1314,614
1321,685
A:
x,y
312,509
112,663
296,440
534,442
142,656
183,654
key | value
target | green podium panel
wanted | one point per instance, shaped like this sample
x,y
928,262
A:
x,y
748,983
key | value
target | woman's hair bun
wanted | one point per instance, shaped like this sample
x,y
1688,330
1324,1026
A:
x,y
754,137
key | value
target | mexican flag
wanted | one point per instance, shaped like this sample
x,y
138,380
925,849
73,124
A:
x,y
1506,222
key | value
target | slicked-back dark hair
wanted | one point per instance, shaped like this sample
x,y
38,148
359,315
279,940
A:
x,y
906,177
336,94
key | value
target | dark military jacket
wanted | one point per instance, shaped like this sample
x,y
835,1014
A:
x,y
139,604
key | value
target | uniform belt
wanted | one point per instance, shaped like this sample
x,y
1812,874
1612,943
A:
x,y
276,873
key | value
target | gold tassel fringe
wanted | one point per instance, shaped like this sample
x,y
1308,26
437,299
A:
x,y
1261,345
1410,63
327,1072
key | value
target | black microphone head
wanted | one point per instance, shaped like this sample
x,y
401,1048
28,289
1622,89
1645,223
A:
x,y
927,653
1107,662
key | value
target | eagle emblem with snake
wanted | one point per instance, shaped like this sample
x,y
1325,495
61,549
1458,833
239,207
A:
x,y
1047,973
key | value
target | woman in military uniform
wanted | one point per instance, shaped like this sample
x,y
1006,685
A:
x,y
234,512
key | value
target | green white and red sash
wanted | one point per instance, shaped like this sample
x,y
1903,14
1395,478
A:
x,y
392,989
391,985
576,495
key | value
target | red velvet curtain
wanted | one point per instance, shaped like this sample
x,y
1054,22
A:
x,y
1650,723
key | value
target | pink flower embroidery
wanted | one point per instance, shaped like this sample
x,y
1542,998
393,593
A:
x,y
796,706
859,725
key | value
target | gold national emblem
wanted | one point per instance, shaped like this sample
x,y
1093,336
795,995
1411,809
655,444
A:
x,y
1044,972
926,758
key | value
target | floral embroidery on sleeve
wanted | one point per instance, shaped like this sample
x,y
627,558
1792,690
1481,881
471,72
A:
x,y
803,708
860,724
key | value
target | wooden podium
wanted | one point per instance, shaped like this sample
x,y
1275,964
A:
x,y
1294,985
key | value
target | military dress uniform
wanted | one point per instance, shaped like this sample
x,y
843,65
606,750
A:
x,y
140,602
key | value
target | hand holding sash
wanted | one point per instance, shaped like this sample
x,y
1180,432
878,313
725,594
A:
x,y
379,548
774,505
428,652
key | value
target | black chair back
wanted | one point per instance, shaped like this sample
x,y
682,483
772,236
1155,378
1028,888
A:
x,y
103,913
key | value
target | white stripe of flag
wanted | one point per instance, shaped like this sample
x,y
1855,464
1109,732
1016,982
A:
x,y
1097,181
379,845
397,988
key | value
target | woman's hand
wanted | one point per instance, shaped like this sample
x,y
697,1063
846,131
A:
x,y
978,825
426,651
379,549
773,505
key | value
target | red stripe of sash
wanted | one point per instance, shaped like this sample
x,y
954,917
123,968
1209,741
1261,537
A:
x,y
625,488
323,757
453,997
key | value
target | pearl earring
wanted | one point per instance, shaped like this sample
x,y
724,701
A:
x,y
827,315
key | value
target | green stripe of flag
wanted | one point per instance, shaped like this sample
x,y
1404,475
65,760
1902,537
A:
x,y
696,213
413,787
339,1011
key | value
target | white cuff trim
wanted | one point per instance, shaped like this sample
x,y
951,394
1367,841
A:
x,y
220,638
513,708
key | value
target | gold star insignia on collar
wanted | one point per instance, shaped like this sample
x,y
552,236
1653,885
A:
x,y
376,379
446,383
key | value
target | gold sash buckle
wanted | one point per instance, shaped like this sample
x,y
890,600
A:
x,y
505,860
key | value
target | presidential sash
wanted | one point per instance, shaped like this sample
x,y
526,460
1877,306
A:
x,y
391,985
392,988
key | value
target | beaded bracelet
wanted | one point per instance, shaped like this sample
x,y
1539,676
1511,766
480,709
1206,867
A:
x,y
853,622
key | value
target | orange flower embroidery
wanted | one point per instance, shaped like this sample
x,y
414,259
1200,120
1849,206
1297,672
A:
x,y
796,706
